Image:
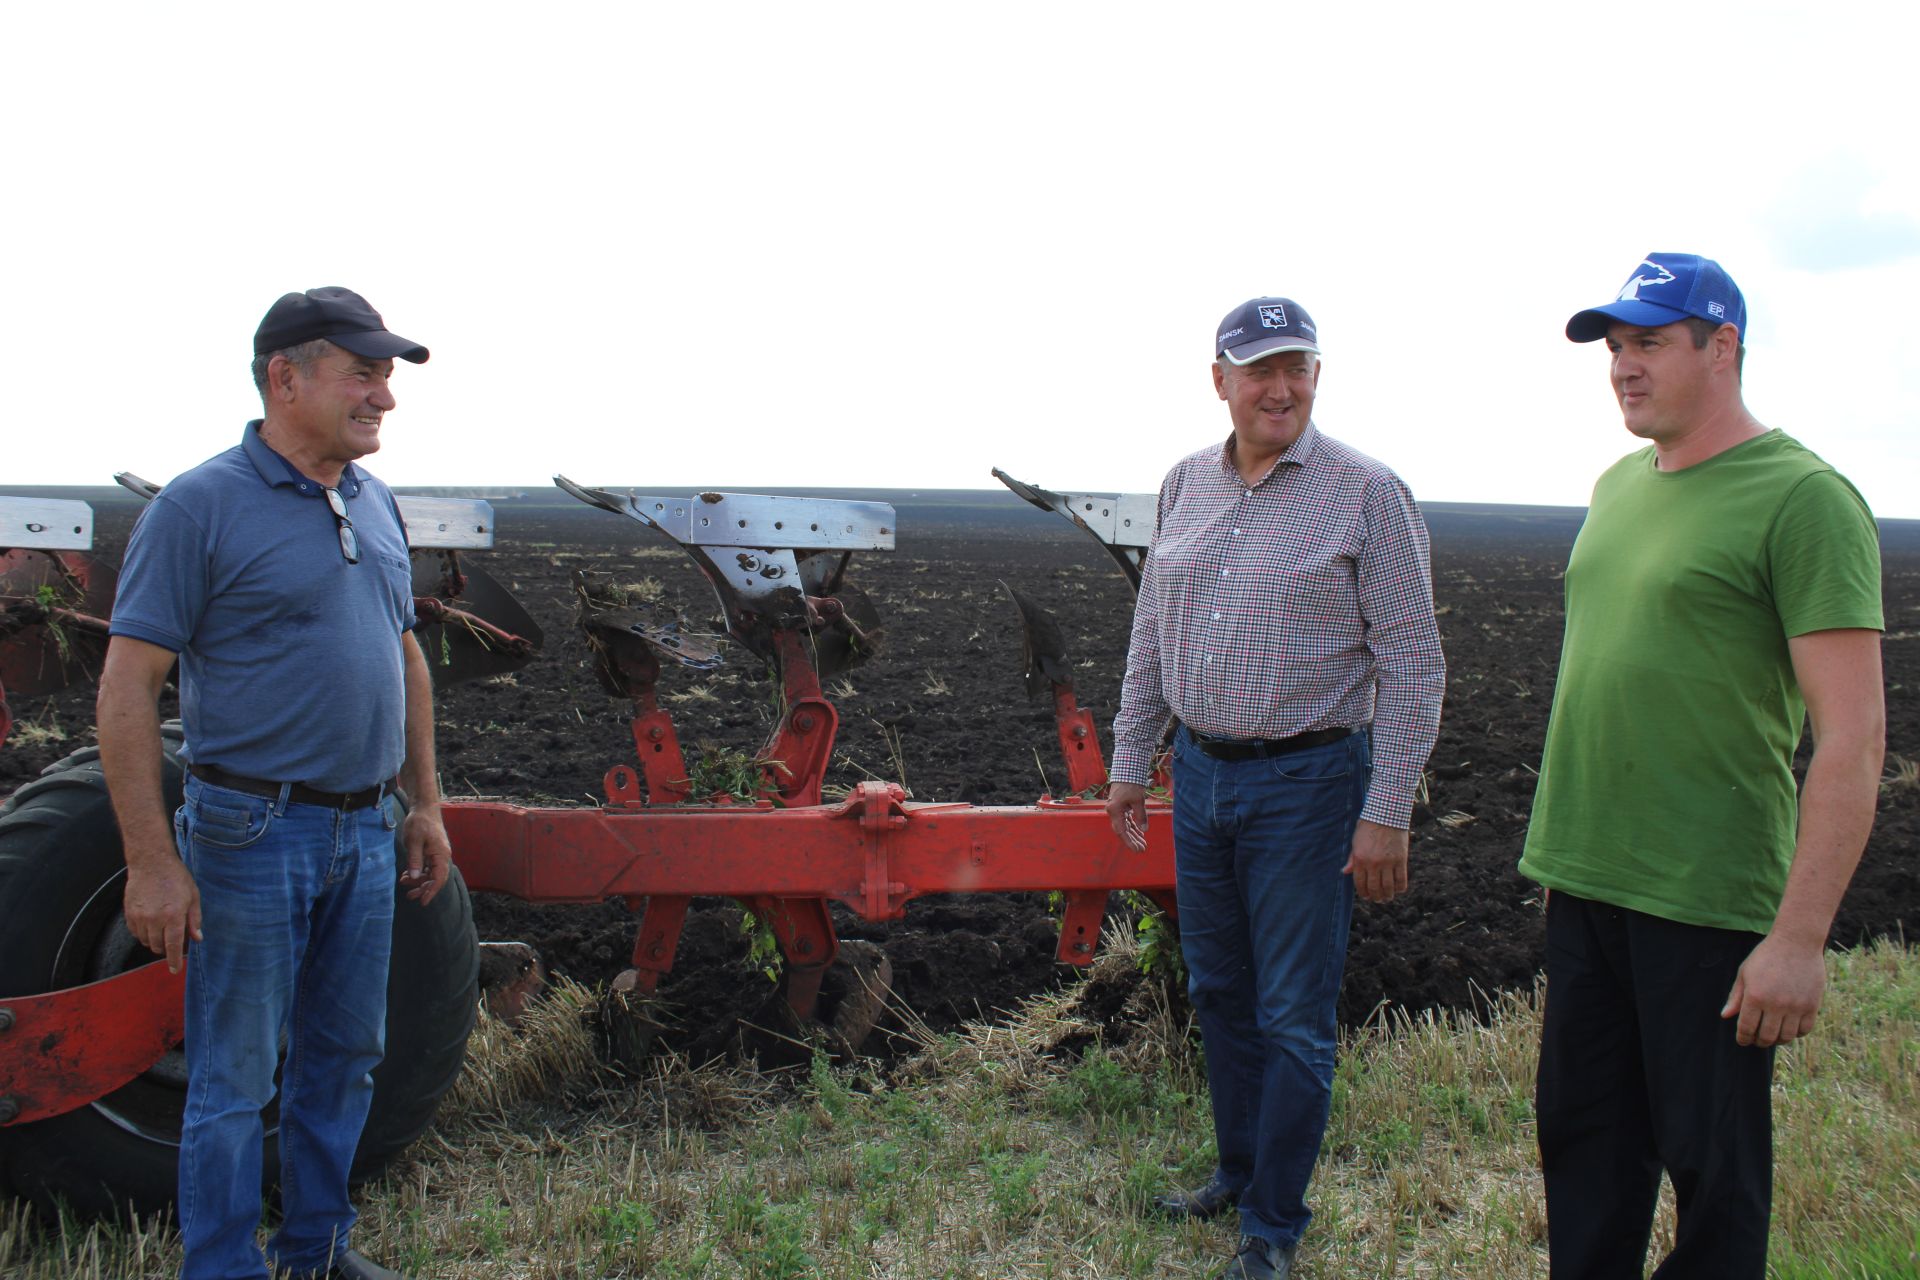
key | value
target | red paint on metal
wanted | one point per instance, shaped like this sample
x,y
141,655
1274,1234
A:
x,y
66,1048
661,760
873,852
1079,742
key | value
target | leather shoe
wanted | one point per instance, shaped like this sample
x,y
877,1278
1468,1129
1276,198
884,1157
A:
x,y
1209,1201
1258,1260
349,1266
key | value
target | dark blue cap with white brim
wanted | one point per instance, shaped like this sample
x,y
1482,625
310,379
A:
x,y
1258,328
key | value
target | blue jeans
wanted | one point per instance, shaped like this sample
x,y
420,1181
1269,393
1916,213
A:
x,y
296,907
1264,911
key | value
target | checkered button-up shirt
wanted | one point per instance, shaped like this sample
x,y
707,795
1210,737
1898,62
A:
x,y
1302,601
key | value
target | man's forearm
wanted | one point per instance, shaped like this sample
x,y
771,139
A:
x,y
130,753
1836,815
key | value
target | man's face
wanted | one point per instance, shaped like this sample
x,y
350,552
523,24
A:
x,y
337,408
1661,379
1270,400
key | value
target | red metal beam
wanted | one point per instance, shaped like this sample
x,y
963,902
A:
x,y
873,852
63,1049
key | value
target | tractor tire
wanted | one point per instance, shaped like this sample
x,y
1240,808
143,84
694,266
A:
x,y
61,877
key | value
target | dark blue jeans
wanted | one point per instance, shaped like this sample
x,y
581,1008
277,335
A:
x,y
296,908
1264,912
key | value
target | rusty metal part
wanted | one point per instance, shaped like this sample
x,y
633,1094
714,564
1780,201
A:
x,y
133,484
511,975
1121,522
471,626
627,653
63,1049
1044,650
53,611
771,562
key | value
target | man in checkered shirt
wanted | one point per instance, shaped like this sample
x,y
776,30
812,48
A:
x,y
1286,625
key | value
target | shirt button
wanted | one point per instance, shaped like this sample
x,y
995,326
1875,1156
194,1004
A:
x,y
1247,494
1226,573
1216,617
1208,659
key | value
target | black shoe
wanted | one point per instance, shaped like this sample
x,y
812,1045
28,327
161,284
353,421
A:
x,y
1210,1201
349,1266
1258,1260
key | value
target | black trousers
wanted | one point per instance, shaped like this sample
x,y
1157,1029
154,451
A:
x,y
1639,1073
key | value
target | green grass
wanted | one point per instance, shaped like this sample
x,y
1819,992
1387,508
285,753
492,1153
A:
x,y
994,1155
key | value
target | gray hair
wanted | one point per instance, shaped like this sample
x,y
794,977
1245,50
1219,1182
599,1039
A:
x,y
302,357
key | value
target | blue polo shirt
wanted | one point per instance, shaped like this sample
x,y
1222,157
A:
x,y
290,657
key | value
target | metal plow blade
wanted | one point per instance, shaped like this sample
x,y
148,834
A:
x,y
482,632
1042,648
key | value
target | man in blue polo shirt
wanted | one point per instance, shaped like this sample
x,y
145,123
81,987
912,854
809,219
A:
x,y
276,574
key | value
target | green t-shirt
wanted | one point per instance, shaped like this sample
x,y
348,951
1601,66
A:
x,y
1667,783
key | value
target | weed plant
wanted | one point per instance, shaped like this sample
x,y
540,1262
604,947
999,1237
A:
x,y
1000,1152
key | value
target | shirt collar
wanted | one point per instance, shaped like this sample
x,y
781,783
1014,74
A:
x,y
276,470
1295,454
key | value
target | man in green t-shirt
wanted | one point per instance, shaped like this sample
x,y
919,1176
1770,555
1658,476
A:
x,y
1724,590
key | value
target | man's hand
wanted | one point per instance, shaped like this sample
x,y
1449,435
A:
x,y
1776,995
1378,864
429,853
1127,811
162,906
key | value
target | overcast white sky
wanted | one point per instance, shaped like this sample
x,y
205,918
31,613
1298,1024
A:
x,y
896,245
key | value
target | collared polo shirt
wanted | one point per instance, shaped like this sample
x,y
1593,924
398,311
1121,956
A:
x,y
1301,601
290,657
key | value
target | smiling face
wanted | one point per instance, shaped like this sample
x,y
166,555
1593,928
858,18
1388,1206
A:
x,y
1270,401
1665,384
332,410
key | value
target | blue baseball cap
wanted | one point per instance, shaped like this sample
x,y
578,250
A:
x,y
1263,326
1666,287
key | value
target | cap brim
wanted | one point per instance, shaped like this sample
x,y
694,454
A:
x,y
1592,325
378,344
1248,352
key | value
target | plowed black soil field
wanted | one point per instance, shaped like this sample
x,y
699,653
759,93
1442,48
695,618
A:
x,y
943,703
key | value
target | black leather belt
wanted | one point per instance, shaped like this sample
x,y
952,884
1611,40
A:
x,y
300,793
1265,748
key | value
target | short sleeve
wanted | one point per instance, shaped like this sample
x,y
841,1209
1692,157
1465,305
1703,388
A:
x,y
1824,552
162,591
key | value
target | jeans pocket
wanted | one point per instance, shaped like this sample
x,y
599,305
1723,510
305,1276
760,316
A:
x,y
390,811
1328,764
223,819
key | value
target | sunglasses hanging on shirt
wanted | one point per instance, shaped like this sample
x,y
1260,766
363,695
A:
x,y
349,545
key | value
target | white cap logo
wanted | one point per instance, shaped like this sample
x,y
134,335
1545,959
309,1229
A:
x,y
1273,316
1648,274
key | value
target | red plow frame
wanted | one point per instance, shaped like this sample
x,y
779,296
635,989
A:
x,y
778,566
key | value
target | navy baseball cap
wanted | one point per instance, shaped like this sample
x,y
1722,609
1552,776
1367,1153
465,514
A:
x,y
1666,287
1263,326
342,317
